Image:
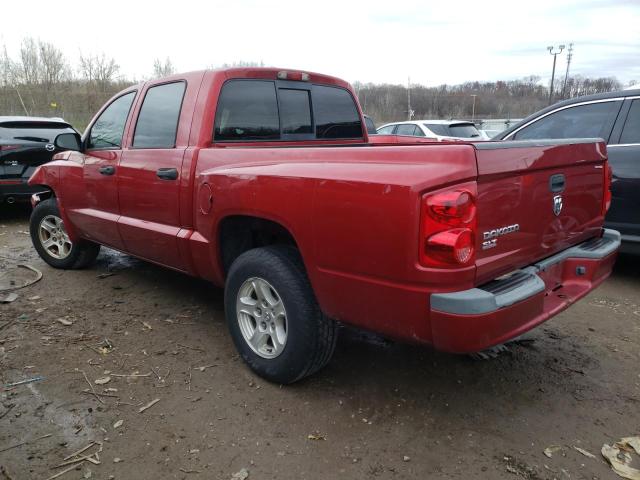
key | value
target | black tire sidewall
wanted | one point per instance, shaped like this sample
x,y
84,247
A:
x,y
50,207
279,268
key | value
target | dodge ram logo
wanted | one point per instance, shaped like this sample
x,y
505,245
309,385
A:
x,y
557,204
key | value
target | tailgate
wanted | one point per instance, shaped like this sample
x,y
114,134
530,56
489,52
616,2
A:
x,y
21,159
536,198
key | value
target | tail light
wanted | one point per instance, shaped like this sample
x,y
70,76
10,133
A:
x,y
606,198
447,231
8,147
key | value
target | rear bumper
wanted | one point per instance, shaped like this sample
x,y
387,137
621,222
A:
x,y
16,190
475,319
630,244
630,233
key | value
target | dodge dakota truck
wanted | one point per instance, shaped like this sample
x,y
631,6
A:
x,y
264,182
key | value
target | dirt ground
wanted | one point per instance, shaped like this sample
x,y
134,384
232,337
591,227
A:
x,y
380,409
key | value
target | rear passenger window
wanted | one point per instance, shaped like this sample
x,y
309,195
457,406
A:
x,y
295,111
406,129
247,110
158,119
335,113
631,131
583,121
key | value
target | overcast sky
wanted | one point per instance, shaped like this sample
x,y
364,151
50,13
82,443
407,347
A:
x,y
434,42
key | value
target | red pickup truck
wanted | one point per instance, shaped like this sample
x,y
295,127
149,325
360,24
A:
x,y
266,182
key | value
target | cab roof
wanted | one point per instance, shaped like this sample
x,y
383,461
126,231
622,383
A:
x,y
270,73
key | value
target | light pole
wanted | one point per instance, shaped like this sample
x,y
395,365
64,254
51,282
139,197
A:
x,y
553,71
566,75
410,112
473,107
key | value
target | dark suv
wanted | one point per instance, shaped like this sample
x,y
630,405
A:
x,y
25,143
614,116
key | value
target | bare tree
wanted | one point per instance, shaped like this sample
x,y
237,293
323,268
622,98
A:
x,y
28,69
53,65
5,67
98,69
161,69
105,71
99,72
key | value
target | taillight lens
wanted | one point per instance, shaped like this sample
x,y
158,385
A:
x,y
447,232
606,200
8,147
455,244
456,207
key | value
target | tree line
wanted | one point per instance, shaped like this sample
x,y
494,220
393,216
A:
x,y
40,80
501,99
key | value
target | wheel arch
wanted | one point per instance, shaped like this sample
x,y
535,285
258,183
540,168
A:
x,y
239,233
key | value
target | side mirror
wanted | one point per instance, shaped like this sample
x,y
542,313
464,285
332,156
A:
x,y
68,141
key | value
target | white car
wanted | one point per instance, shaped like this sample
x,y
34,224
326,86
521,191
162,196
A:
x,y
441,130
494,126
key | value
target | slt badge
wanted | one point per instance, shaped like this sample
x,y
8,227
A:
x,y
490,238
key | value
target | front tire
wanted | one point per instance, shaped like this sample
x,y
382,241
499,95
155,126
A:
x,y
273,316
50,239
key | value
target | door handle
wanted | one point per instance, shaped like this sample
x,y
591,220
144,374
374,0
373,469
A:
x,y
107,170
557,183
167,173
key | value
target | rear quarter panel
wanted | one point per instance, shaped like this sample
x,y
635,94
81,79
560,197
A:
x,y
354,213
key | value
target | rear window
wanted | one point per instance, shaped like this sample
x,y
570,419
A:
x,y
247,110
295,111
158,119
438,129
254,110
463,130
458,130
335,113
33,131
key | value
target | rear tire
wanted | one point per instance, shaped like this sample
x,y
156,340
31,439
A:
x,y
52,243
273,316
